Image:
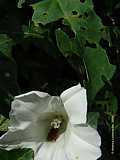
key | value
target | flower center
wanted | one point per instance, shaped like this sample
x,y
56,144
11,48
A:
x,y
56,123
57,126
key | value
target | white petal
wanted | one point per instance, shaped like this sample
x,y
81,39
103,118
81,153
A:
x,y
28,106
16,138
75,102
52,150
32,104
82,143
30,117
33,145
39,94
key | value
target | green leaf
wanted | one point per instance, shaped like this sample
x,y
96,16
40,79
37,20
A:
x,y
3,155
3,123
24,154
95,59
93,119
49,11
19,154
79,16
20,2
98,65
112,103
34,31
106,35
88,27
66,45
116,31
5,44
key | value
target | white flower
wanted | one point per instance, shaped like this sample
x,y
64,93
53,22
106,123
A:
x,y
52,126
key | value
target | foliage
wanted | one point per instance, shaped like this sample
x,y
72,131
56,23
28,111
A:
x,y
84,34
93,119
23,154
5,44
79,18
3,123
96,61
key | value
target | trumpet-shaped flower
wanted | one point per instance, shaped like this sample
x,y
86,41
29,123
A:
x,y
54,127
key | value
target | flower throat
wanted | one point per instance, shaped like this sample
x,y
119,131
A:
x,y
56,128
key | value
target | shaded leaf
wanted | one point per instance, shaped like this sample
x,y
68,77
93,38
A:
x,y
5,44
98,66
66,45
106,35
20,2
34,31
96,61
3,123
19,154
24,154
116,31
117,5
93,119
112,103
8,83
3,155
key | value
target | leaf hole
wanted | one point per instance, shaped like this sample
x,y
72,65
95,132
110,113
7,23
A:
x,y
69,31
82,1
92,45
86,14
105,80
80,16
74,12
45,14
102,29
83,28
104,43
